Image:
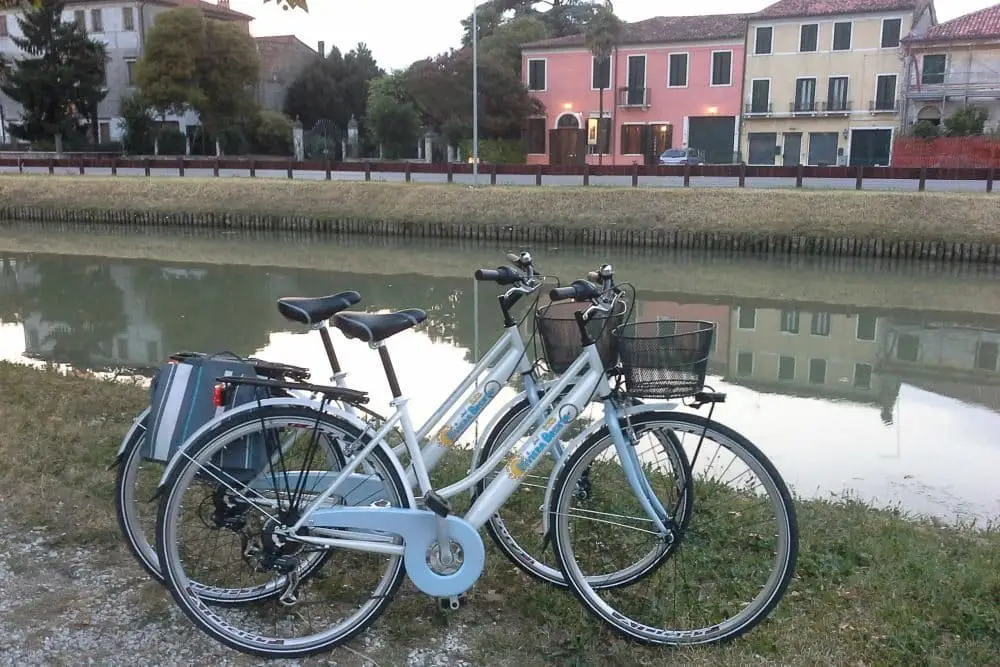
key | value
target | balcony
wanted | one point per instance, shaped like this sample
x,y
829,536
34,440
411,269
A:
x,y
633,97
883,106
803,106
837,107
758,109
934,86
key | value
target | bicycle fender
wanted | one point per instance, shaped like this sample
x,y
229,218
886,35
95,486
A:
x,y
328,407
579,440
131,431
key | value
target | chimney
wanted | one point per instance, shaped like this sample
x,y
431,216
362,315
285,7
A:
x,y
322,49
224,4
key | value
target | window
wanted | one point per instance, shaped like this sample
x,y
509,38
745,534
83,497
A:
x,y
817,371
907,347
808,37
123,349
534,135
636,94
152,351
890,32
760,96
986,355
80,18
96,20
762,147
786,368
128,19
866,327
820,324
677,76
747,318
805,94
933,69
104,131
842,36
885,92
744,364
536,74
823,148
790,321
762,41
130,70
603,133
600,73
3,26
836,93
632,139
722,68
862,376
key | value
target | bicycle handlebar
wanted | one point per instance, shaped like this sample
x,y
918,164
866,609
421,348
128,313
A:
x,y
502,275
579,290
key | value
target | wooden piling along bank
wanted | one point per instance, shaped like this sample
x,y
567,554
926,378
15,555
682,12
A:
x,y
744,243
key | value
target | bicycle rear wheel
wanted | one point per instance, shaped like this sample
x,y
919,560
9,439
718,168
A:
x,y
696,596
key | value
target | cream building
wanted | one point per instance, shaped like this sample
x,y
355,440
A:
x,y
824,88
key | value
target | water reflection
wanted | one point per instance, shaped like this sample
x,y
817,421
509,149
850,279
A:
x,y
900,405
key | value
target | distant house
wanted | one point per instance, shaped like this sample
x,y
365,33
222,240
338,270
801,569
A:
x,y
822,80
952,64
122,26
673,81
282,57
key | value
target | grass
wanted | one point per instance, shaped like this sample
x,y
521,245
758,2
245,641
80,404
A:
x,y
888,215
872,587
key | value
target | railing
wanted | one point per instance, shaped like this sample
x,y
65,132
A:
x,y
751,109
804,106
317,170
634,97
883,106
837,106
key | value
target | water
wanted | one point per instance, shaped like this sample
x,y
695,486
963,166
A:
x,y
876,379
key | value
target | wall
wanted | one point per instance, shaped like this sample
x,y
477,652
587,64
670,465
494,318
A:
x,y
861,64
281,60
972,74
569,80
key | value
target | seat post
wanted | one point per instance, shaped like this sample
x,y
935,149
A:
x,y
390,372
324,333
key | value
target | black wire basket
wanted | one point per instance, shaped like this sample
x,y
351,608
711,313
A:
x,y
561,344
664,358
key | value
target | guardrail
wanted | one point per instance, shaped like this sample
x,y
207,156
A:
x,y
740,172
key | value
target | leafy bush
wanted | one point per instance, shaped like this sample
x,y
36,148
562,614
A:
x,y
137,126
497,151
272,133
969,121
925,129
171,141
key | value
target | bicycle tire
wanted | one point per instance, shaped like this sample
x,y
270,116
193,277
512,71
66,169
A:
x,y
620,622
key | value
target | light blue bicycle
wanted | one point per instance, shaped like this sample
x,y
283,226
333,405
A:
x,y
358,529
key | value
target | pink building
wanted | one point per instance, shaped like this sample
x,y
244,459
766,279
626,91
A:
x,y
673,82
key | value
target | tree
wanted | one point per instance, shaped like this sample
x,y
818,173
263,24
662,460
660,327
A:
x,y
191,62
333,88
441,89
393,120
504,45
969,121
603,34
138,128
60,79
561,17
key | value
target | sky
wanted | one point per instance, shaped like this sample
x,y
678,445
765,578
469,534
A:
x,y
401,31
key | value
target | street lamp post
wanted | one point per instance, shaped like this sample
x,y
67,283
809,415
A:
x,y
475,97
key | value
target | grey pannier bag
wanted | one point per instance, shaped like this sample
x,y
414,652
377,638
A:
x,y
183,398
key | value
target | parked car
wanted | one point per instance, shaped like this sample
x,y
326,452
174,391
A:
x,y
681,156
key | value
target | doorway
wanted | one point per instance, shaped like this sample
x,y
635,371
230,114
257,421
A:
x,y
567,145
870,148
792,152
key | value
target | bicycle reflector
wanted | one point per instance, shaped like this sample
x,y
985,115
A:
x,y
219,395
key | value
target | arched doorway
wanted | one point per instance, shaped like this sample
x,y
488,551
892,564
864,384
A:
x,y
568,121
931,114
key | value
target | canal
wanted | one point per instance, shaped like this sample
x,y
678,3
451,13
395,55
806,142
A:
x,y
878,380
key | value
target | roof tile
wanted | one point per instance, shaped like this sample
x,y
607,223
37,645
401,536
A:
x,y
665,29
983,24
796,8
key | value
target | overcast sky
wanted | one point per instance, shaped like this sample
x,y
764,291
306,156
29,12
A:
x,y
401,31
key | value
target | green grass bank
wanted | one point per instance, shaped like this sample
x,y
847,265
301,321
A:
x,y
949,226
872,587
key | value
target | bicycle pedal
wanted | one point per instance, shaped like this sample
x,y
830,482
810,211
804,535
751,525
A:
x,y
452,603
437,504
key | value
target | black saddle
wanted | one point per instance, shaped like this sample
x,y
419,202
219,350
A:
x,y
375,327
309,311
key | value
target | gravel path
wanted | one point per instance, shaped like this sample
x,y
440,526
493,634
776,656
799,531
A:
x,y
69,606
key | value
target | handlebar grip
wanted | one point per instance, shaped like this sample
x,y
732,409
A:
x,y
562,293
594,276
581,290
502,275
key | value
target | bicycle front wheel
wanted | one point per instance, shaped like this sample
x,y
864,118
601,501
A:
x,y
730,564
